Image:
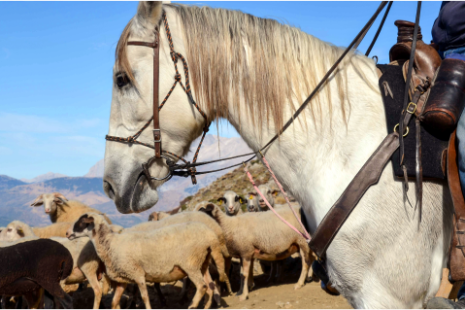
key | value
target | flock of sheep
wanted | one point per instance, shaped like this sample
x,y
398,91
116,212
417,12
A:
x,y
194,246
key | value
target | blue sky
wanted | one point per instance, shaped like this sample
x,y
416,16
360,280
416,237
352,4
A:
x,y
56,62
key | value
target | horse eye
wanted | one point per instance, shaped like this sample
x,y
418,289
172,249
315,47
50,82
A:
x,y
122,80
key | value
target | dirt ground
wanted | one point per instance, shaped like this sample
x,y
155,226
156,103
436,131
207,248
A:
x,y
265,295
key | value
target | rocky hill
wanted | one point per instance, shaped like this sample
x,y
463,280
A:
x,y
236,181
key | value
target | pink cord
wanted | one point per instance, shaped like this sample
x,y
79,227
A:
x,y
306,235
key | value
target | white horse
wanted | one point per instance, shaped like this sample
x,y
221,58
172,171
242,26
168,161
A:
x,y
254,73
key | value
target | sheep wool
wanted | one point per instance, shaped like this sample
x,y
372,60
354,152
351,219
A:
x,y
263,236
155,256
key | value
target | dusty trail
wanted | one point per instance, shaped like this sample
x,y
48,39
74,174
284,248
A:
x,y
279,295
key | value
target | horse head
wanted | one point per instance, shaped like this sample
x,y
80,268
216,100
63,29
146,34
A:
x,y
132,187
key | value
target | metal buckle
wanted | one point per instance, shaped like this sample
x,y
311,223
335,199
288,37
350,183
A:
x,y
146,165
159,134
414,109
406,131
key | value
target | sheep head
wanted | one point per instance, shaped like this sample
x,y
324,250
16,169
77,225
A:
x,y
232,202
86,226
14,231
252,203
210,209
269,195
153,217
50,202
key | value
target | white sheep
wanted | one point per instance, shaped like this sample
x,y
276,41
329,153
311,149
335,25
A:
x,y
156,216
86,262
252,205
263,236
258,201
61,209
232,203
187,217
162,255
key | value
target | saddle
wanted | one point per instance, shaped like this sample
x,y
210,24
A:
x,y
439,147
392,84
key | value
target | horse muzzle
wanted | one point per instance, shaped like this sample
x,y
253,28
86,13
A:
x,y
135,195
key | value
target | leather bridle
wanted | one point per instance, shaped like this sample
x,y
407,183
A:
x,y
159,153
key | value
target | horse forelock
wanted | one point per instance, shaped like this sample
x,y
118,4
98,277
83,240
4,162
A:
x,y
261,63
122,61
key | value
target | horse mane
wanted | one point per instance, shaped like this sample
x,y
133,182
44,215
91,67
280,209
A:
x,y
237,57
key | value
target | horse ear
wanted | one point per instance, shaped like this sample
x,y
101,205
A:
x,y
149,12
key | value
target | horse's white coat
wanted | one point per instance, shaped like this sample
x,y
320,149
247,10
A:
x,y
383,257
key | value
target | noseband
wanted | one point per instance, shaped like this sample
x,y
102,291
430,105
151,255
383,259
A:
x,y
159,153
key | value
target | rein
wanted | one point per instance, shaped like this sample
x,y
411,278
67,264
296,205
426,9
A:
x,y
189,168
368,175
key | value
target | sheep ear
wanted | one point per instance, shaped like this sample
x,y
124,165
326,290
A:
x,y
149,12
88,219
60,197
38,201
20,231
274,193
208,209
243,200
221,200
153,216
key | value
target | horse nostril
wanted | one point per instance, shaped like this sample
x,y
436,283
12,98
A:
x,y
108,189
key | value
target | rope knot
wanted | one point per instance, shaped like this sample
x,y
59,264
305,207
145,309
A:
x,y
177,77
131,139
174,57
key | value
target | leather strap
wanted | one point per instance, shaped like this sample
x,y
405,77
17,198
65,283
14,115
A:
x,y
156,77
368,175
456,254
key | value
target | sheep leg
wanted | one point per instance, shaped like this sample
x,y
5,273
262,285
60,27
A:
x,y
161,297
34,298
186,282
306,262
56,291
197,278
94,283
246,262
250,281
213,287
271,277
119,290
279,268
220,263
143,292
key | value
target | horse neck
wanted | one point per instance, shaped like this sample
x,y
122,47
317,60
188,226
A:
x,y
315,162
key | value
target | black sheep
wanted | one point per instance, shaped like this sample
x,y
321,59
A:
x,y
27,267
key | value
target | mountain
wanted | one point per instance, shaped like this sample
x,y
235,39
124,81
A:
x,y
7,182
44,177
16,200
16,195
96,171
